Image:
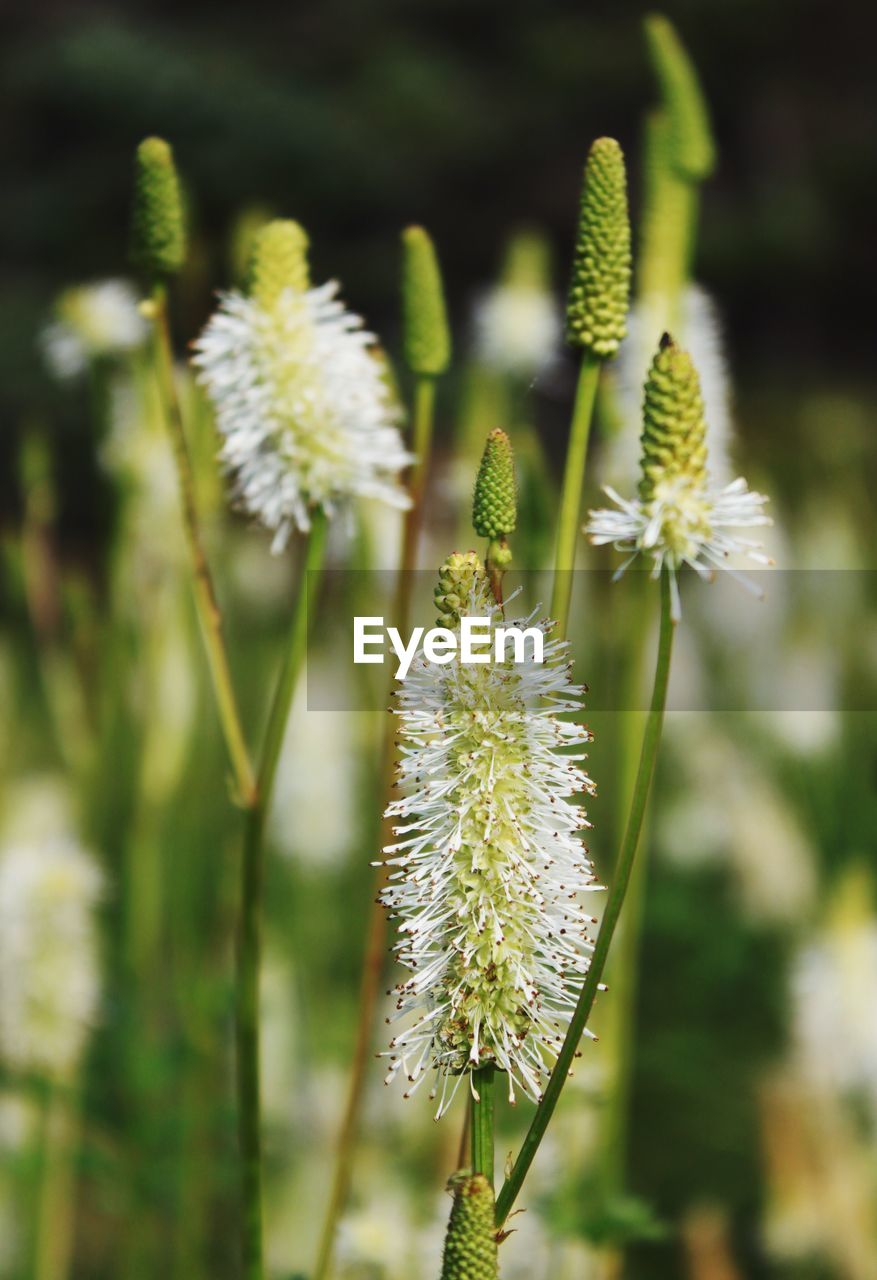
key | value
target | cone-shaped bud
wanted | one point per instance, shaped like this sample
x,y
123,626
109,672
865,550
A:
x,y
424,317
495,503
674,428
691,146
470,1244
462,581
158,237
279,261
600,288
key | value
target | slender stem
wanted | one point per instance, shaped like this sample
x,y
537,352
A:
x,y
206,602
249,953
376,930
571,495
58,1183
483,1121
627,852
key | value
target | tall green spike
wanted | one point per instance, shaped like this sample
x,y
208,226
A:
x,y
691,144
674,428
427,337
470,1244
495,502
599,293
158,237
278,261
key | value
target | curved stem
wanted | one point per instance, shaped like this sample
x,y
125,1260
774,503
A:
x,y
206,603
249,952
376,931
626,855
571,495
482,1122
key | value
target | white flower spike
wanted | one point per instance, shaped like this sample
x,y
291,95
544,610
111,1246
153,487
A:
x,y
488,873
93,321
679,518
302,404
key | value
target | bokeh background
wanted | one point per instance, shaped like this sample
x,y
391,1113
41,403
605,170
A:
x,y
726,1125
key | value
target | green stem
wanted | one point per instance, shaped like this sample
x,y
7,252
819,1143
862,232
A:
x,y
58,1182
206,602
626,855
483,1122
376,931
249,955
573,483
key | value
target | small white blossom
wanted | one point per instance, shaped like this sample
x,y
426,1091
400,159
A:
x,y
517,328
304,409
487,875
93,320
49,974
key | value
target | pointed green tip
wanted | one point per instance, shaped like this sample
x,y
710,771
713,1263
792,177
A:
x,y
691,147
278,261
158,238
427,338
495,502
470,1251
674,427
599,294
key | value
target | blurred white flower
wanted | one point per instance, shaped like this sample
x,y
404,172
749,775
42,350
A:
x,y
92,320
49,970
517,328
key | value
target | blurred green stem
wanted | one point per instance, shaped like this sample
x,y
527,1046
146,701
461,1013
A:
x,y
482,1121
612,910
249,955
55,1215
573,483
206,602
376,934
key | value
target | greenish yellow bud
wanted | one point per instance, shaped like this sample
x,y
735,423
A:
x,y
691,147
462,578
599,292
674,428
278,261
424,317
527,261
495,503
158,236
470,1244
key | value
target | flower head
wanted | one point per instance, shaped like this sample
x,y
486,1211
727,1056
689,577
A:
x,y
427,337
92,321
599,290
517,323
158,231
49,979
305,413
488,868
678,517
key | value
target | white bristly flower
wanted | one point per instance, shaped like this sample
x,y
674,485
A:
x,y
488,872
517,323
49,972
302,403
93,320
679,518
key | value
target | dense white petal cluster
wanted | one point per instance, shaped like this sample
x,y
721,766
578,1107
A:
x,y
49,972
93,320
686,521
517,328
303,407
488,872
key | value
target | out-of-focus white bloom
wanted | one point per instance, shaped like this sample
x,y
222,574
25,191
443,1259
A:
x,y
487,873
517,328
49,972
305,412
679,518
700,332
92,320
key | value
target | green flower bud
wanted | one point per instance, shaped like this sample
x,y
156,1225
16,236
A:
x,y
278,261
158,237
426,334
527,262
691,145
600,288
470,1244
495,503
461,575
674,428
